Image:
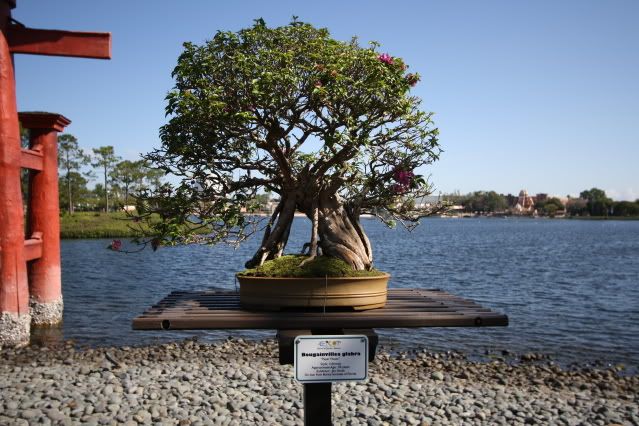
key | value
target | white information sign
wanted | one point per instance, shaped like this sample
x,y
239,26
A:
x,y
322,359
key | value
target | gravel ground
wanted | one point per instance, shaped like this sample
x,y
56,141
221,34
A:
x,y
237,382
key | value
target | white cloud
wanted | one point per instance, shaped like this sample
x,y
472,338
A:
x,y
628,193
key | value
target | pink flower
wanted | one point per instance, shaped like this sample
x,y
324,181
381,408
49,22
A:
x,y
399,188
404,177
386,58
116,245
412,79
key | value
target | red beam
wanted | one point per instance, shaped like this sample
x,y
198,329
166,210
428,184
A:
x,y
31,159
59,43
32,249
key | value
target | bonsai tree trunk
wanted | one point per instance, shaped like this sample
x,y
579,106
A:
x,y
341,234
335,229
276,233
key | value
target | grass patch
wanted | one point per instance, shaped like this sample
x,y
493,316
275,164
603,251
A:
x,y
321,266
96,225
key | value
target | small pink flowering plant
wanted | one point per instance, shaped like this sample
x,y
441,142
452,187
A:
x,y
386,58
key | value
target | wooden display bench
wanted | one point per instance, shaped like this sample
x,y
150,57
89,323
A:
x,y
215,310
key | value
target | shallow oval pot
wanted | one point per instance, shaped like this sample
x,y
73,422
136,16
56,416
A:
x,y
273,293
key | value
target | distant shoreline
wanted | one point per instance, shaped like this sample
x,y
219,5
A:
x,y
94,225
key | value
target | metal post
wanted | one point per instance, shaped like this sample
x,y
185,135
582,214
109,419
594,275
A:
x,y
317,404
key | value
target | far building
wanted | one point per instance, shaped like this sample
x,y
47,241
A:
x,y
525,204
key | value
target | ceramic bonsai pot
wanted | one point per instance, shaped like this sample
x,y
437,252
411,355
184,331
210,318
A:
x,y
274,293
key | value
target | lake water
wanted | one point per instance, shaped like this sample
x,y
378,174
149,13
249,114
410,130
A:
x,y
570,288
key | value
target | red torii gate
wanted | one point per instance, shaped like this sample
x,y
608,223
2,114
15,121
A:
x,y
32,292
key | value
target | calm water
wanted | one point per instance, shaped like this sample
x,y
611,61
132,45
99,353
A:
x,y
570,288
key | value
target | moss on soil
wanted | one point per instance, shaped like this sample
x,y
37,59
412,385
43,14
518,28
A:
x,y
321,266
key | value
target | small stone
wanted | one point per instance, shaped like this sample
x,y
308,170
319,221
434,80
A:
x,y
56,415
366,412
142,416
437,375
30,414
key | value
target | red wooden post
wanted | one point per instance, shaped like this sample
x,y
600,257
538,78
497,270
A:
x,y
43,248
45,280
14,291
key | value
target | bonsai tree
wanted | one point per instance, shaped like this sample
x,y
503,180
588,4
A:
x,y
328,126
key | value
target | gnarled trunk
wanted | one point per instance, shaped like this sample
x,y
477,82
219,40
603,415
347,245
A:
x,y
276,233
335,229
341,234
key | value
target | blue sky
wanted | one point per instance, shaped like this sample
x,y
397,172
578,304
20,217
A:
x,y
540,95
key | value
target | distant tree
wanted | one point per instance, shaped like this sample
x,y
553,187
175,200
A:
x,y
152,176
71,158
598,203
549,206
76,185
576,206
453,198
496,202
127,174
116,191
98,195
104,157
261,200
625,208
484,202
24,173
511,200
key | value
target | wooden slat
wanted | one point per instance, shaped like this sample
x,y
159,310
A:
x,y
30,159
59,43
207,310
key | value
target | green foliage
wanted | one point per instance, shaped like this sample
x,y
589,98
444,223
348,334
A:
x,y
576,207
71,158
484,202
626,208
104,157
126,174
322,266
598,204
549,206
245,107
73,190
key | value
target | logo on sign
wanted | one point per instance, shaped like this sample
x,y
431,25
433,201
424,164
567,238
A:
x,y
328,344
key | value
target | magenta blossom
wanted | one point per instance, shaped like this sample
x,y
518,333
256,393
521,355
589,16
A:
x,y
398,188
386,58
412,79
116,245
404,177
